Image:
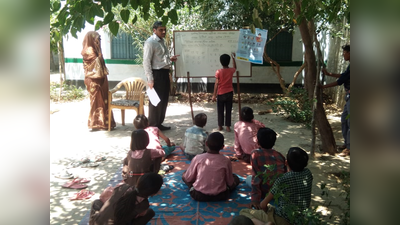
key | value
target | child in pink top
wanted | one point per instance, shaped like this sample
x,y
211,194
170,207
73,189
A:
x,y
209,175
141,122
224,89
246,134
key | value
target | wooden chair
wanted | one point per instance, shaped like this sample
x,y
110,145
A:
x,y
133,99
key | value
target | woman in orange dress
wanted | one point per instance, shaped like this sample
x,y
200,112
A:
x,y
96,82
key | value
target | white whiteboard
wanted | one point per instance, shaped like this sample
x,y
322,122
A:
x,y
200,51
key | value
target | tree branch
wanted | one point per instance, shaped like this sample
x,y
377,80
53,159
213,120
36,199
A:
x,y
296,75
277,71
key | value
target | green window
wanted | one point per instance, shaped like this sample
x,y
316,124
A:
x,y
122,47
280,48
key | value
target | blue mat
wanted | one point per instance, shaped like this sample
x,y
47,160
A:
x,y
173,204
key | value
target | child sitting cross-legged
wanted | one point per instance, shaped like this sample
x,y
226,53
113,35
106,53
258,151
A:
x,y
246,134
293,189
140,160
127,204
265,155
141,122
195,137
209,175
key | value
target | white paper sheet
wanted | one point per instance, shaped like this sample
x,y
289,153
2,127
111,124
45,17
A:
x,y
153,96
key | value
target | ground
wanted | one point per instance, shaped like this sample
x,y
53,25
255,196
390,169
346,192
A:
x,y
71,140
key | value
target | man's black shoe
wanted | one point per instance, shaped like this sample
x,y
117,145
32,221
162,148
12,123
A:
x,y
161,127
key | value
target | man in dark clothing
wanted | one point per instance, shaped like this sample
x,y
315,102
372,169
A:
x,y
344,79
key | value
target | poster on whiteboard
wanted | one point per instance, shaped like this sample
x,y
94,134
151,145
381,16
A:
x,y
251,46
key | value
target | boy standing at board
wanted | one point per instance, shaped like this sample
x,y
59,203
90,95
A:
x,y
223,87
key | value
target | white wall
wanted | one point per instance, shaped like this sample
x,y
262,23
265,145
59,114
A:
x,y
73,48
118,72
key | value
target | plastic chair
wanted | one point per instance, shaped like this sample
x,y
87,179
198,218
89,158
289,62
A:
x,y
134,98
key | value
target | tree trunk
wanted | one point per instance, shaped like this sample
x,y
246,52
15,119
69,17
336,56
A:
x,y
52,64
327,138
61,66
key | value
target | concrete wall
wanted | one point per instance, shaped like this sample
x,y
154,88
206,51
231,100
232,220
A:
x,y
120,70
74,65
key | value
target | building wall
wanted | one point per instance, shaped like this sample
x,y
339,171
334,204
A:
x,y
118,69
121,69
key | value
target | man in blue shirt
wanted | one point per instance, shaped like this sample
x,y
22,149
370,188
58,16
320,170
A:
x,y
344,79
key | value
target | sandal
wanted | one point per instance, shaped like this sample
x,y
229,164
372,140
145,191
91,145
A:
x,y
80,162
99,158
64,175
166,168
92,164
83,180
344,153
74,184
75,164
84,160
83,194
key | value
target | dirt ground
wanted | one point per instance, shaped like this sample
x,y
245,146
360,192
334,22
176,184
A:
x,y
71,140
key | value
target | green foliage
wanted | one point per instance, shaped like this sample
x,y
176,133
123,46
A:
x,y
329,14
269,176
189,18
345,176
72,16
55,28
296,105
295,215
69,92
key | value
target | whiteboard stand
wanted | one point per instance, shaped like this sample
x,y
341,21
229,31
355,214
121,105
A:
x,y
238,92
190,95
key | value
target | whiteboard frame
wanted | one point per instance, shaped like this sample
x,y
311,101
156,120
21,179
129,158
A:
x,y
185,75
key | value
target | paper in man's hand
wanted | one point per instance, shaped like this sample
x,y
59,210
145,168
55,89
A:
x,y
153,96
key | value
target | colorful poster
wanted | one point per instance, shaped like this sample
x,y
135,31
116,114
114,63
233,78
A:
x,y
251,46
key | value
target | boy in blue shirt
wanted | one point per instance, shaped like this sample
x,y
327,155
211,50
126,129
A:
x,y
195,137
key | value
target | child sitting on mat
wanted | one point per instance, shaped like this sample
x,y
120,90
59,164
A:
x,y
127,204
293,189
140,160
141,122
209,176
265,155
246,134
195,137
241,220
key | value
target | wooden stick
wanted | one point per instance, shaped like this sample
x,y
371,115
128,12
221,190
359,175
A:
x,y
238,92
190,95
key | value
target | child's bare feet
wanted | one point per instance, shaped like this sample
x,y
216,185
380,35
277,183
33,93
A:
x,y
228,129
233,158
220,128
